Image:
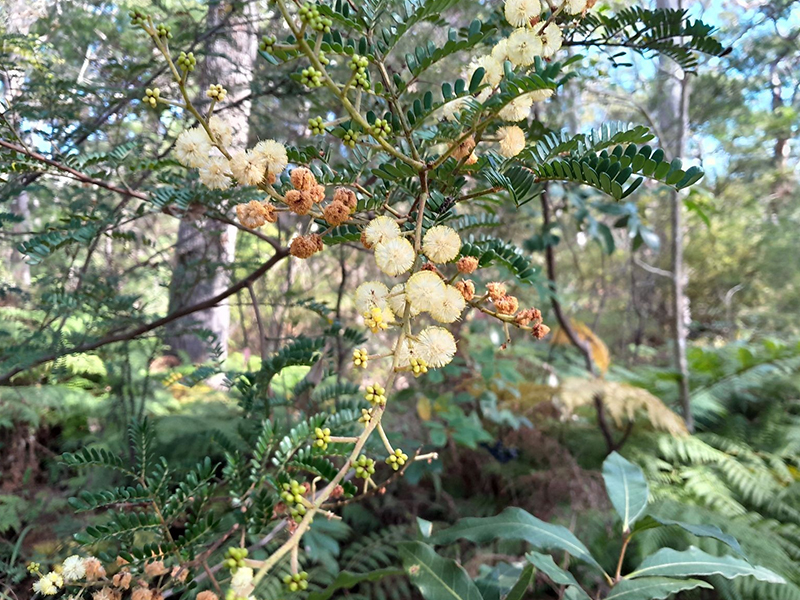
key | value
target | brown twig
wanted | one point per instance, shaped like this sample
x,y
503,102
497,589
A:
x,y
262,336
5,379
563,321
77,175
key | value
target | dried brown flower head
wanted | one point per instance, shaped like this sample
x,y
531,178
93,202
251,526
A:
x,y
252,214
336,213
270,212
141,593
346,197
467,289
465,148
528,316
94,569
540,330
106,593
306,245
303,179
299,202
467,264
507,305
122,579
179,573
317,193
496,290
155,568
364,241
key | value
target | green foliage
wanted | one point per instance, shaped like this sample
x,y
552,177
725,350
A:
x,y
488,250
666,31
693,562
653,588
660,574
437,577
244,445
626,488
609,171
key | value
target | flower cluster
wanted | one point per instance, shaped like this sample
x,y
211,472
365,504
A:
x,y
364,467
206,149
294,496
531,39
234,558
322,437
88,577
296,582
424,291
397,459
241,585
426,263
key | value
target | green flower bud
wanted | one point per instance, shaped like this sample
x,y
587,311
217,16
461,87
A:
x,y
267,43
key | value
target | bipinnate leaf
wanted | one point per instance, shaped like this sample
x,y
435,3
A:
x,y
693,562
626,488
436,577
517,524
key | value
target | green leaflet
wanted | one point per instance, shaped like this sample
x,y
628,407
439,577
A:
x,y
652,588
707,531
559,576
626,487
346,580
526,579
436,577
517,524
675,563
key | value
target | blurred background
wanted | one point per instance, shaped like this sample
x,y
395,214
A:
x,y
522,426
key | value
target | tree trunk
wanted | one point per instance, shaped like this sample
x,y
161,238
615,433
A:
x,y
673,119
205,248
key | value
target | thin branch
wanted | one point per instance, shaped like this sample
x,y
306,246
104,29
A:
x,y
563,321
651,269
82,177
262,336
139,331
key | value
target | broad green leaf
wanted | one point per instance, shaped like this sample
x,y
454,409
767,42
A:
x,y
517,524
346,580
436,577
526,579
499,581
707,531
626,487
559,576
652,588
687,563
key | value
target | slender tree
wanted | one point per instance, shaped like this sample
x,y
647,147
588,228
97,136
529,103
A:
x,y
205,247
17,21
673,119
